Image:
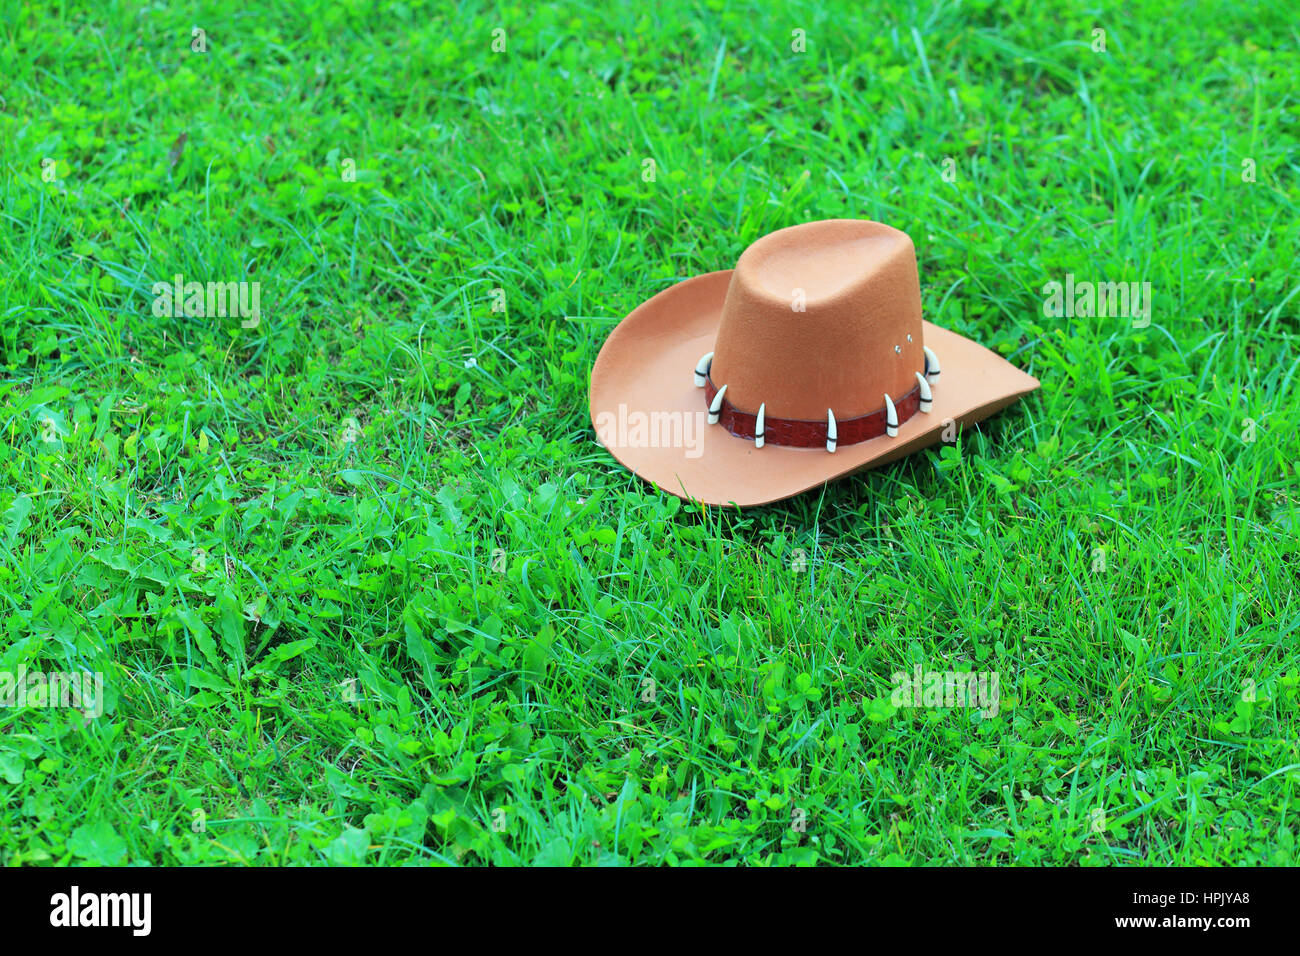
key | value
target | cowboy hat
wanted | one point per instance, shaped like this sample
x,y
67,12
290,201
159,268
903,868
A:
x,y
806,362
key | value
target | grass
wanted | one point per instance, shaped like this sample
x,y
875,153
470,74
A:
x,y
363,588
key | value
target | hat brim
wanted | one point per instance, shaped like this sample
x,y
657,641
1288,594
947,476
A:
x,y
644,399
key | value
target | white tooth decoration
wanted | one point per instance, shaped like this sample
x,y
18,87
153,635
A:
x,y
931,365
927,399
702,369
758,428
715,407
832,436
891,418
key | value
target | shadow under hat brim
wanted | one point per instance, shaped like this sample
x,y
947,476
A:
x,y
650,416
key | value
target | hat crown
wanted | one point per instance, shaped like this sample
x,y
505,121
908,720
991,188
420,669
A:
x,y
825,315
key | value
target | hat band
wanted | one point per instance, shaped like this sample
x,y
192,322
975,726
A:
x,y
799,433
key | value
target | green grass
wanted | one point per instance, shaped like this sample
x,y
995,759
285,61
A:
x,y
277,544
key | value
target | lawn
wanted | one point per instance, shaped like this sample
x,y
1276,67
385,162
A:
x,y
362,587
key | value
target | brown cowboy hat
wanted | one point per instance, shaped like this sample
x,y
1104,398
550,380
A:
x,y
806,362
